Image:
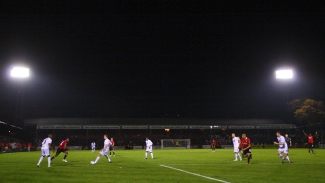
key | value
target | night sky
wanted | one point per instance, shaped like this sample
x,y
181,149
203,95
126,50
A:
x,y
186,59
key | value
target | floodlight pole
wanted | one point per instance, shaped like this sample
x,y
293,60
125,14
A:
x,y
19,73
284,75
211,132
19,107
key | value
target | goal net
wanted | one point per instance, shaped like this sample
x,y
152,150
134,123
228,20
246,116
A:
x,y
175,143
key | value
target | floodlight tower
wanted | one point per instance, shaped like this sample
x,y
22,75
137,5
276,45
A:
x,y
284,75
211,132
21,74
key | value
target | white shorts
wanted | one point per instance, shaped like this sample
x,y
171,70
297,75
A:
x,y
93,148
283,150
236,150
45,152
149,149
104,152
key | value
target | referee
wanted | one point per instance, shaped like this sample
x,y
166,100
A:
x,y
288,140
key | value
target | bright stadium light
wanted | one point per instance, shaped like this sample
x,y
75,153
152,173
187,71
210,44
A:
x,y
19,72
284,74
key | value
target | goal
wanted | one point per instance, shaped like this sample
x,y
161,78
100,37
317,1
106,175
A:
x,y
175,143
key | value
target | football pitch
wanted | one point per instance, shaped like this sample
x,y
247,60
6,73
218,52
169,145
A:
x,y
177,165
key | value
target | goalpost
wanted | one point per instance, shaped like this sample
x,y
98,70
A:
x,y
175,143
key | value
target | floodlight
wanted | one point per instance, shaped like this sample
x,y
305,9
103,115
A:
x,y
20,72
284,74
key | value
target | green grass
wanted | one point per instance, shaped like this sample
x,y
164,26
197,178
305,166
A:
x,y
130,166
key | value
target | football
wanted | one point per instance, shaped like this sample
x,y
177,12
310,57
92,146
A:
x,y
92,162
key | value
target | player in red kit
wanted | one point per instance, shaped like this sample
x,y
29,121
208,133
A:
x,y
111,148
62,148
246,147
213,145
310,142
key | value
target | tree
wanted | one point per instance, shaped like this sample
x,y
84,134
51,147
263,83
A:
x,y
307,111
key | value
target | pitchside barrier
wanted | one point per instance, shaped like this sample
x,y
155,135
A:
x,y
80,148
70,147
138,147
254,146
9,150
260,146
144,147
115,147
227,146
206,146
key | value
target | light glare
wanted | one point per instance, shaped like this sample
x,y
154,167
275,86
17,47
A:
x,y
284,74
20,72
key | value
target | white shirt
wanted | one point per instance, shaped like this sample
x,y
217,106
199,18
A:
x,y
93,144
107,144
281,139
148,143
235,141
46,142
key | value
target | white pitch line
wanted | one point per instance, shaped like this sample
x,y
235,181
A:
x,y
210,178
300,163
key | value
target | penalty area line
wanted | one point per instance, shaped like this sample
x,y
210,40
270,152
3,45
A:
x,y
210,178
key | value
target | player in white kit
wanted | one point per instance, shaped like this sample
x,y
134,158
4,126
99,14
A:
x,y
93,146
148,148
236,142
46,145
104,151
283,148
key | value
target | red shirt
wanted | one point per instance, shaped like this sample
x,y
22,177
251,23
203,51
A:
x,y
63,144
310,139
245,142
240,144
214,143
112,141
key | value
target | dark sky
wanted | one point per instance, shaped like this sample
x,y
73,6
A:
x,y
152,58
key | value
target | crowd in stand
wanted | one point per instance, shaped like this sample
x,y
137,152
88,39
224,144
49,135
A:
x,y
8,143
137,137
12,137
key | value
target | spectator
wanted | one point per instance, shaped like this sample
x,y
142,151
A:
x,y
29,146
